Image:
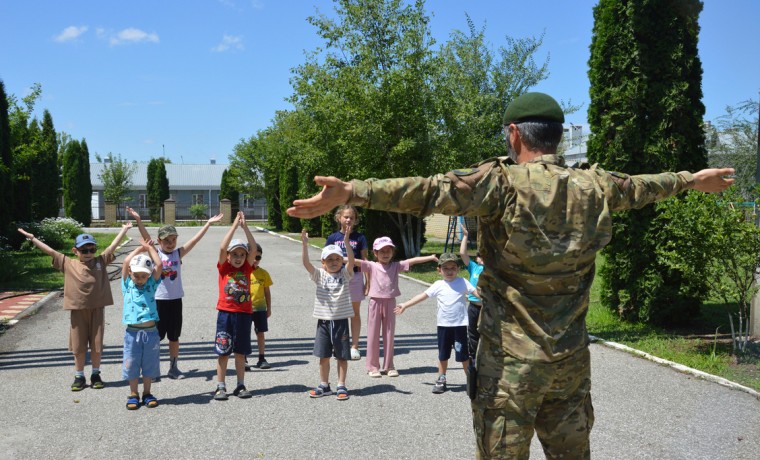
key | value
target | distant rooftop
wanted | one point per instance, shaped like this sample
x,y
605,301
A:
x,y
181,176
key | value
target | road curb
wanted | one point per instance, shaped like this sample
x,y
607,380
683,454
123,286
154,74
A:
x,y
34,307
675,366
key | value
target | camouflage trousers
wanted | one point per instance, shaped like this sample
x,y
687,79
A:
x,y
517,397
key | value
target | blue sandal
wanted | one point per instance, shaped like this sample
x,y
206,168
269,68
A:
x,y
149,400
133,402
321,390
342,393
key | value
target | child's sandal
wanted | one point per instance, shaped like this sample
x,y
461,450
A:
x,y
341,393
133,402
149,400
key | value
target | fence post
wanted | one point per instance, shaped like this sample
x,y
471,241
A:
x,y
110,214
225,206
170,212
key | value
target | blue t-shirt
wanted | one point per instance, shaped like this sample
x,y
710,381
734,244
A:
x,y
475,270
357,241
139,302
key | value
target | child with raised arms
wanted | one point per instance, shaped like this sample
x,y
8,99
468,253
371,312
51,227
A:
x,y
140,275
234,316
383,290
332,309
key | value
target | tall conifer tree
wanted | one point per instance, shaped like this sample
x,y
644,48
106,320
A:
x,y
6,195
646,117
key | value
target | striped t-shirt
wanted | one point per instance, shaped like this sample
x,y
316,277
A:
x,y
333,300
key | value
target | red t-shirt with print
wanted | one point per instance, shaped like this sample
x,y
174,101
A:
x,y
234,288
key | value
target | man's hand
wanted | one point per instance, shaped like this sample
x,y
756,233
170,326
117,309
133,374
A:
x,y
713,180
334,192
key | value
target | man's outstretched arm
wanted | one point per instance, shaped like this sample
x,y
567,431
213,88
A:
x,y
334,193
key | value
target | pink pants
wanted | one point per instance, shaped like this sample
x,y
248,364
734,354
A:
x,y
380,316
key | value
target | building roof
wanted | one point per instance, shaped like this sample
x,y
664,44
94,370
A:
x,y
181,176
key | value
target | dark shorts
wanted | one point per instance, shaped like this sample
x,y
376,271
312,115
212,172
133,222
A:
x,y
332,339
170,319
233,333
454,336
260,323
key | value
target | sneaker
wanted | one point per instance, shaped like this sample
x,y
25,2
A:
x,y
321,390
79,383
96,382
220,394
175,373
374,374
242,392
355,354
263,364
440,385
341,392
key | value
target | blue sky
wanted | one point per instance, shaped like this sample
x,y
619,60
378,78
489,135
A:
x,y
190,79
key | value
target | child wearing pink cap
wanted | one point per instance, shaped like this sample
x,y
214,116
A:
x,y
383,290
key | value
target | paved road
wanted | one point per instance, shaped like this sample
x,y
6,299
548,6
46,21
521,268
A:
x,y
643,410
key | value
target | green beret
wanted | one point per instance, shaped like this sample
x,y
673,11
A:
x,y
533,107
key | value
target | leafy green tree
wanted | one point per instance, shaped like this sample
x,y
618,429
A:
x,y
645,117
77,187
714,242
228,191
6,165
732,142
158,187
46,182
116,177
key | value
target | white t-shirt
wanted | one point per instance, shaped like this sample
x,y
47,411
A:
x,y
451,297
333,300
171,276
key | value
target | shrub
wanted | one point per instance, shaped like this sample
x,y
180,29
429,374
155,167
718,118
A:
x,y
8,269
198,211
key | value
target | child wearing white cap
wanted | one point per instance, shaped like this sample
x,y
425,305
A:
x,y
140,275
383,290
332,308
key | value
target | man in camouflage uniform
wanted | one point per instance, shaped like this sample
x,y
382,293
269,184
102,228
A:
x,y
540,227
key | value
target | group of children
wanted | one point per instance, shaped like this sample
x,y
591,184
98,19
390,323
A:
x,y
152,291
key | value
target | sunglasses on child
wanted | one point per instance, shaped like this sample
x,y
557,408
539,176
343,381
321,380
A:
x,y
258,257
87,251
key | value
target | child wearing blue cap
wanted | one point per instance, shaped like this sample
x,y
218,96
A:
x,y
86,291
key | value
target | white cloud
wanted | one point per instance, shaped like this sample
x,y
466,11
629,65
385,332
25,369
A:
x,y
100,32
257,4
132,35
70,33
229,42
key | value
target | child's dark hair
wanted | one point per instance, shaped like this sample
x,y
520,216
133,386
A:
x,y
345,207
258,248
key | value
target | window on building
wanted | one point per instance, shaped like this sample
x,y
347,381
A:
x,y
197,198
143,201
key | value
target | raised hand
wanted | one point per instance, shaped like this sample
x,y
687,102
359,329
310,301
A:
x,y
334,192
216,218
713,180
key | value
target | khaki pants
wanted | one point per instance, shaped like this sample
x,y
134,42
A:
x,y
517,397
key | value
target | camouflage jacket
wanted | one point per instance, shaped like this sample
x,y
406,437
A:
x,y
540,227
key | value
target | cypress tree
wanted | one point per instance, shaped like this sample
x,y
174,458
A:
x,y
46,177
77,190
645,117
158,187
6,196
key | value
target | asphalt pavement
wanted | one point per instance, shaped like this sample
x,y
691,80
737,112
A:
x,y
643,410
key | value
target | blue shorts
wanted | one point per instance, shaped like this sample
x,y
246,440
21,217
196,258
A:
x,y
332,339
260,323
452,336
233,333
142,353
